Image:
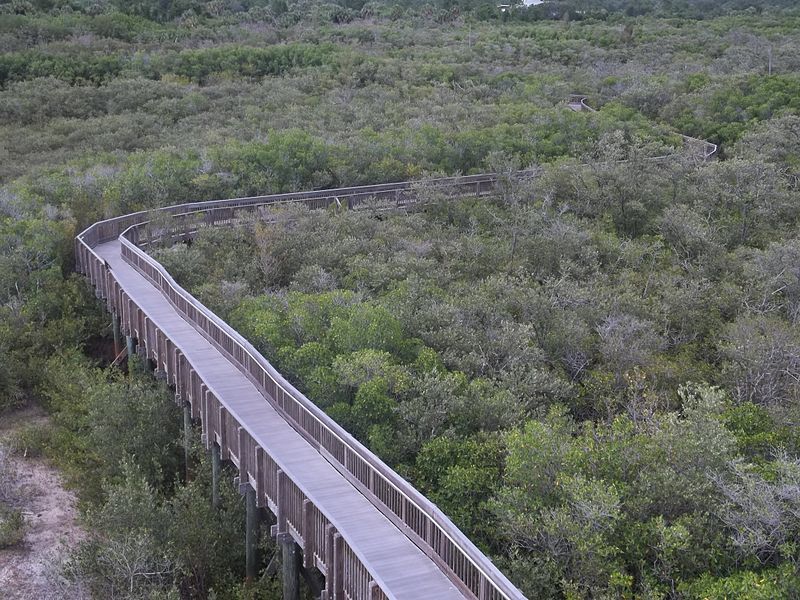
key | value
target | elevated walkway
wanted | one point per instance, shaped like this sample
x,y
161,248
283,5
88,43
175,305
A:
x,y
369,532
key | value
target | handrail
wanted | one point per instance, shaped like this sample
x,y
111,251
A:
x,y
420,519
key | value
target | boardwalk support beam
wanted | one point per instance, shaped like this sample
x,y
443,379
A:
x,y
117,335
215,467
187,436
252,527
291,567
130,341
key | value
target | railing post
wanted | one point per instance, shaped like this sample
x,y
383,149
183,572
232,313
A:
x,y
308,533
374,591
338,567
200,395
330,562
241,452
282,499
260,476
222,416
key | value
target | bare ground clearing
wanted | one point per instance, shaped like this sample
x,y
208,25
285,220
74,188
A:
x,y
27,570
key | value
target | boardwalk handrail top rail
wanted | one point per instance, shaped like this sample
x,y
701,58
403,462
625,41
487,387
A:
x,y
126,224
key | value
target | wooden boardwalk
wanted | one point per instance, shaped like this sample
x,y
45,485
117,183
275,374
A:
x,y
400,567
369,532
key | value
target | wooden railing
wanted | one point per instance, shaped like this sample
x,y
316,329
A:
x,y
419,519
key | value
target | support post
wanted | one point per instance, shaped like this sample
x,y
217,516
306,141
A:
x,y
117,335
131,343
251,535
291,567
187,436
215,466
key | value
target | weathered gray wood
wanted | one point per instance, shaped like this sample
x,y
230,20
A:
x,y
260,476
131,343
187,438
308,527
117,335
252,528
215,468
338,567
290,567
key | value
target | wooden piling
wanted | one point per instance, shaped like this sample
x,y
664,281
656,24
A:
x,y
187,437
215,468
252,527
117,334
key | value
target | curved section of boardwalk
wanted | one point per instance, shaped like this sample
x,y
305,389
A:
x,y
367,530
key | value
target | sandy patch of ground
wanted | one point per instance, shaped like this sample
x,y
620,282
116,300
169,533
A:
x,y
27,571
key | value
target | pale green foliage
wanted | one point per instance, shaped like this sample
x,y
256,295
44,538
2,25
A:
x,y
127,554
143,544
362,366
770,584
106,420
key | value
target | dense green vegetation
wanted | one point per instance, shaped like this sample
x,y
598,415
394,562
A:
x,y
594,373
